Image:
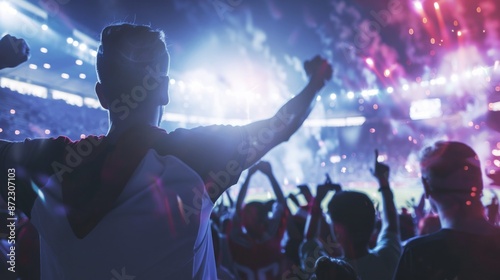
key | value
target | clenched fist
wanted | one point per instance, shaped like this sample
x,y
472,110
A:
x,y
318,69
13,51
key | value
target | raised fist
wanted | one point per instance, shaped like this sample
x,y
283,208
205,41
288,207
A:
x,y
381,170
318,69
13,51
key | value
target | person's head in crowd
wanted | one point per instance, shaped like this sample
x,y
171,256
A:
x,y
406,225
269,205
255,219
132,67
452,178
353,217
327,268
429,224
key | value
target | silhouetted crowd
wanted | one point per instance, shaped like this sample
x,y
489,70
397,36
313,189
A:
x,y
144,203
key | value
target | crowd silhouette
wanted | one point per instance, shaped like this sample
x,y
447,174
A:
x,y
147,204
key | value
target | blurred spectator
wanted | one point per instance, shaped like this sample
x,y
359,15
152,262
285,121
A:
x,y
353,216
492,210
314,246
257,232
406,225
467,246
296,224
327,268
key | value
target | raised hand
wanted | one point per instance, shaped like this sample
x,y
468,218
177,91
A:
x,y
304,190
294,199
264,167
323,189
381,170
13,51
318,69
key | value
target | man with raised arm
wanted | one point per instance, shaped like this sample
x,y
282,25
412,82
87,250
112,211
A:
x,y
353,217
467,246
257,231
137,201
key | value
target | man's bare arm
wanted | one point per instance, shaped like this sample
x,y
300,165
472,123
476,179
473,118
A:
x,y
266,134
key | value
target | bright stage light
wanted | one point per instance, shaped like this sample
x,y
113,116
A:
x,y
335,159
75,43
369,92
369,61
350,95
69,40
496,152
44,50
46,66
65,76
6,6
82,76
426,109
93,53
45,27
406,87
390,90
436,5
418,5
333,96
33,66
78,62
83,47
495,106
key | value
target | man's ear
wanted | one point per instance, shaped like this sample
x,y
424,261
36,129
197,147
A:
x,y
99,90
164,85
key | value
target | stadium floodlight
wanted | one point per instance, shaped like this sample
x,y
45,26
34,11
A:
x,y
426,109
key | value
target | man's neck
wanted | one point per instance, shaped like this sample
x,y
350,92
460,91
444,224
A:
x,y
352,252
470,222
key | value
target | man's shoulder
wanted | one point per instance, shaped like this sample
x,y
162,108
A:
x,y
426,242
204,129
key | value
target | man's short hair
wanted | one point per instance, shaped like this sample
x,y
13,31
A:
x,y
356,212
451,167
127,54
